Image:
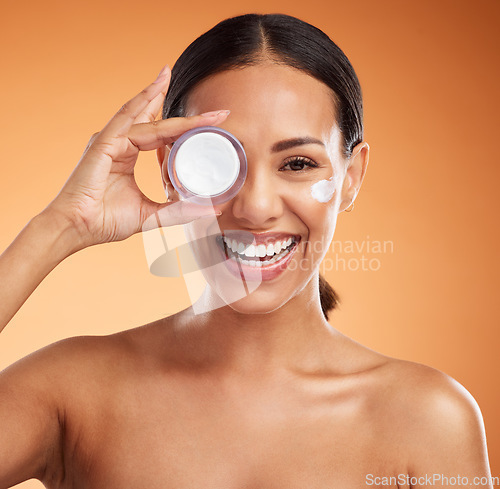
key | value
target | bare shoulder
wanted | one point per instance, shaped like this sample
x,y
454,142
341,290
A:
x,y
418,391
73,359
48,369
57,395
434,417
430,395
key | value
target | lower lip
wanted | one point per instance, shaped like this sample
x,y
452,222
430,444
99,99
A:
x,y
264,273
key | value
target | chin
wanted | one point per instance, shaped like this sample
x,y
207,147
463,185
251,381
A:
x,y
259,302
249,306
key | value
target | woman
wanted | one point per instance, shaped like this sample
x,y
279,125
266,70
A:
x,y
262,392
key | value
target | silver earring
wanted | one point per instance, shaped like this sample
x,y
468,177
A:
x,y
347,208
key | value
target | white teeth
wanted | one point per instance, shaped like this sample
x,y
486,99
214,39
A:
x,y
272,250
261,251
259,263
250,251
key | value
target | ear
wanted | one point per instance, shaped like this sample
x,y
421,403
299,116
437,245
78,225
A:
x,y
356,169
162,156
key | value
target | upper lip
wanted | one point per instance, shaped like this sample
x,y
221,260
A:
x,y
247,237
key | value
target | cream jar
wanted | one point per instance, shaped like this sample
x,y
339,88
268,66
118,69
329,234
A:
x,y
206,165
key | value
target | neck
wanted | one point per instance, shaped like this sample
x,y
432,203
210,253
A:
x,y
295,337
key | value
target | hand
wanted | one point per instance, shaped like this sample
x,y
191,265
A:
x,y
101,199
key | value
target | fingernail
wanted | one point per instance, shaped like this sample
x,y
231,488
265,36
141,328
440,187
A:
x,y
162,75
160,79
211,214
214,212
215,113
162,71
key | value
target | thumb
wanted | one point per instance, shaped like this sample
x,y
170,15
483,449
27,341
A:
x,y
175,213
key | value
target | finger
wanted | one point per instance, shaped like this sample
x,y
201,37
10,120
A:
x,y
121,122
176,213
159,133
170,191
151,111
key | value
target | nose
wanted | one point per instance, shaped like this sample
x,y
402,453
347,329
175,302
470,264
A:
x,y
258,204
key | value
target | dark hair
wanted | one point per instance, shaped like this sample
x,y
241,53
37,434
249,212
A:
x,y
252,38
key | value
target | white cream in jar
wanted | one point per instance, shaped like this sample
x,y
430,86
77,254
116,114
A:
x,y
207,165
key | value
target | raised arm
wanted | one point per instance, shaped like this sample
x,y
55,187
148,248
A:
x,y
101,201
43,243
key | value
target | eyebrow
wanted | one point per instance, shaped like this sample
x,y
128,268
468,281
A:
x,y
291,143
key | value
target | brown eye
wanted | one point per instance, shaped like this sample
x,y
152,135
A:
x,y
298,164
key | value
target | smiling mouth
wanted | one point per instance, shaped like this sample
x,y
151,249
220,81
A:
x,y
257,255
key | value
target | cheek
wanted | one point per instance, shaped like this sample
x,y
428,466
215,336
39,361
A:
x,y
326,190
323,191
325,198
321,196
318,217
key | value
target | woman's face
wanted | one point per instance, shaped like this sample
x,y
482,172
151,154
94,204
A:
x,y
297,180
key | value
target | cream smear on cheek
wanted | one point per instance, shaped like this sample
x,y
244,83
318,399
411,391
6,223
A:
x,y
323,190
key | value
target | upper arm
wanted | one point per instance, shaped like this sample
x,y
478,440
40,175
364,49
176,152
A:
x,y
30,428
447,435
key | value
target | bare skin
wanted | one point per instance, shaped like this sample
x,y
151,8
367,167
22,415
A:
x,y
261,393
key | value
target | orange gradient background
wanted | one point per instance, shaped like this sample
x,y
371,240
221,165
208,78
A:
x,y
429,74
